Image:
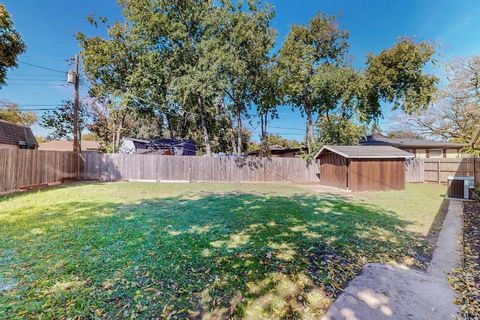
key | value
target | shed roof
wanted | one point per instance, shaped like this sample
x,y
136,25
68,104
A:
x,y
14,134
372,152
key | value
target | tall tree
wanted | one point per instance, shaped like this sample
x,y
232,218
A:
x,y
13,114
306,49
456,112
11,44
108,65
339,131
60,121
267,95
249,39
397,76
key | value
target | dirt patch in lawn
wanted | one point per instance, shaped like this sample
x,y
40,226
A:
x,y
466,281
6,285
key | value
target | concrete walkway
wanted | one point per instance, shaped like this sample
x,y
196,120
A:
x,y
397,292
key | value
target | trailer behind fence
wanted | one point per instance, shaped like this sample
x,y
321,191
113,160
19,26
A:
x,y
111,167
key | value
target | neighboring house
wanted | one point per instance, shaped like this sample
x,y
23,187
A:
x,y
281,152
159,146
421,148
64,145
13,136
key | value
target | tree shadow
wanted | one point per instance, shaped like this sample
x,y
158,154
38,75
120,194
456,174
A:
x,y
198,255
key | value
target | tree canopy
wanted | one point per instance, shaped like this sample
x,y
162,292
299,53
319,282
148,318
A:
x,y
203,70
13,114
11,44
454,114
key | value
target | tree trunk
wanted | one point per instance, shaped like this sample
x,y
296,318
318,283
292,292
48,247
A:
x,y
114,132
184,125
240,130
264,123
203,123
119,132
232,129
310,137
169,124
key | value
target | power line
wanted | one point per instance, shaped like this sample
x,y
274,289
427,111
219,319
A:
x,y
34,80
41,67
37,84
33,75
39,109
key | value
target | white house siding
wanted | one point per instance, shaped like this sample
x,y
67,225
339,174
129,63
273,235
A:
x,y
452,153
421,153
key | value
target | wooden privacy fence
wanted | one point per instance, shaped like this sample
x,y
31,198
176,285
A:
x,y
438,170
26,168
110,167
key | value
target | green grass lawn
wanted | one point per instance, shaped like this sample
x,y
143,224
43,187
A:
x,y
139,250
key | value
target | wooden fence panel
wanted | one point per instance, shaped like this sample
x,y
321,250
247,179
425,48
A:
x,y
26,168
414,170
110,167
438,170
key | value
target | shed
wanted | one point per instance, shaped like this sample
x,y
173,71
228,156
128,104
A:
x,y
363,168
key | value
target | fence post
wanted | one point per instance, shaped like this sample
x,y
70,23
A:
x,y
438,171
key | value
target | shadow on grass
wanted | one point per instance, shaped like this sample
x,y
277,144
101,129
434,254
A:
x,y
198,255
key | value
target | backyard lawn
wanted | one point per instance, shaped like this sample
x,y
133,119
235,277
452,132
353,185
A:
x,y
140,250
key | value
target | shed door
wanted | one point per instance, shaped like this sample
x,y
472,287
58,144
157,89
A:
x,y
333,170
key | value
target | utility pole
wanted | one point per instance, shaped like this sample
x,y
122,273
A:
x,y
76,102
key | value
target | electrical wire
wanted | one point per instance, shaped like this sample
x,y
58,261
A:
x,y
41,67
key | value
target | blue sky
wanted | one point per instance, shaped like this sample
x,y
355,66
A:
x,y
49,27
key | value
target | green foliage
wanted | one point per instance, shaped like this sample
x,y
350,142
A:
x,y
334,130
196,67
306,50
11,44
60,121
89,137
454,115
12,114
192,64
41,139
143,250
278,141
396,75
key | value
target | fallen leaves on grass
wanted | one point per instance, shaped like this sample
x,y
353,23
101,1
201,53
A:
x,y
466,281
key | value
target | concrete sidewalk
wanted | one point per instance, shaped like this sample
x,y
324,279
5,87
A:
x,y
397,292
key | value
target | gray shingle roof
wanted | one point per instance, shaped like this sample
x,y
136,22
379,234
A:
x,y
373,152
12,134
379,139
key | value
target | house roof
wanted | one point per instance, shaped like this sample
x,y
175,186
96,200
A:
x,y
185,147
366,152
14,134
380,139
64,145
